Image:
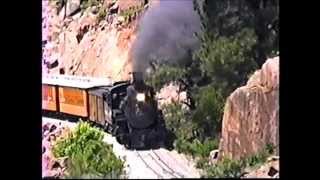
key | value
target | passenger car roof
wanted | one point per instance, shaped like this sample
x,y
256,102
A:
x,y
75,81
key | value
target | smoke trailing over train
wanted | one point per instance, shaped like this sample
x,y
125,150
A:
x,y
166,34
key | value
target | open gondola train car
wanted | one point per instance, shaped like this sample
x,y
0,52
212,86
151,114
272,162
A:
x,y
127,110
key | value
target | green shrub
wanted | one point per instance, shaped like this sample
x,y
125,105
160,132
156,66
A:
x,y
227,60
204,149
227,168
209,110
202,163
87,154
261,157
270,148
129,13
89,3
165,74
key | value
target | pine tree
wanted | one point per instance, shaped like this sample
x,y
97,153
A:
x,y
235,39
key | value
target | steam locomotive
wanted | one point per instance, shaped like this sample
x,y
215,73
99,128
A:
x,y
127,109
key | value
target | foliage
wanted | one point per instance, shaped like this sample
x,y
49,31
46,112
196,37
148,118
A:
x,y
227,60
228,168
178,122
208,114
270,148
102,13
195,147
187,139
87,154
224,18
164,74
261,157
202,162
89,3
131,12
203,149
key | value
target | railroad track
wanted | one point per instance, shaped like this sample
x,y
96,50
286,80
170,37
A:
x,y
154,162
180,166
174,172
148,166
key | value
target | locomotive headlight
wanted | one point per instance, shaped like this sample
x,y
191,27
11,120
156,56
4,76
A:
x,y
141,97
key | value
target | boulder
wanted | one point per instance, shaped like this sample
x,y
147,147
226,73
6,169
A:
x,y
251,114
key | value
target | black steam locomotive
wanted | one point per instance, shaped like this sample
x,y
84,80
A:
x,y
127,110
143,125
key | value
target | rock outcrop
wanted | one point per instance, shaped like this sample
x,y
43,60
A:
x,y
171,93
251,114
86,43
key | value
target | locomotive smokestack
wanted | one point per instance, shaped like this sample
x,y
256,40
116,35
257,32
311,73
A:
x,y
137,79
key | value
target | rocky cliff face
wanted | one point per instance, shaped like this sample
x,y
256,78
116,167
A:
x,y
85,43
251,114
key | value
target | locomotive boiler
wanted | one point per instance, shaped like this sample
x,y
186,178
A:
x,y
144,121
127,109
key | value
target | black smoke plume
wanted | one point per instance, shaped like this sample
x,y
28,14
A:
x,y
166,34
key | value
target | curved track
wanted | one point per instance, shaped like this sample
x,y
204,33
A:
x,y
158,166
